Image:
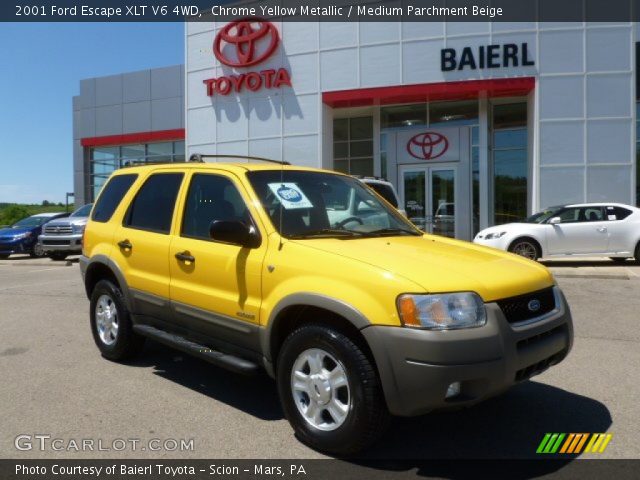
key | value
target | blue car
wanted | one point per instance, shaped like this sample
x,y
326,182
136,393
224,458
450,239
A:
x,y
22,236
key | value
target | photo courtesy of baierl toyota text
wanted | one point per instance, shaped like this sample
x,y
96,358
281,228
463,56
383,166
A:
x,y
311,239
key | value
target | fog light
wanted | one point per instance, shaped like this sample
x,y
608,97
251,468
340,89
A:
x,y
453,390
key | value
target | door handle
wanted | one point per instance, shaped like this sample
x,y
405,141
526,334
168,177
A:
x,y
125,244
602,229
185,257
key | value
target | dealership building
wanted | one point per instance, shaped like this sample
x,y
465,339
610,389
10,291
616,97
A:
x,y
482,122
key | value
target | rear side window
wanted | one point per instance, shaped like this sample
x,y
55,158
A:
x,y
111,196
619,213
385,192
152,208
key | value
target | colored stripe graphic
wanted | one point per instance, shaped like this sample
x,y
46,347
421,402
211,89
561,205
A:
x,y
553,443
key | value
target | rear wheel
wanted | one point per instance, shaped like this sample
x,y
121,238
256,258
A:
x,y
526,247
637,254
58,256
111,323
330,391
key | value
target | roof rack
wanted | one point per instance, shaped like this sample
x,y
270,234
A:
x,y
197,157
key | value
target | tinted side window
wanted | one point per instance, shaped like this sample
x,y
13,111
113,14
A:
x,y
570,215
619,212
111,196
211,198
153,206
592,214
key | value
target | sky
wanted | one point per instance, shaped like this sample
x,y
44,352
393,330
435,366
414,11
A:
x,y
42,65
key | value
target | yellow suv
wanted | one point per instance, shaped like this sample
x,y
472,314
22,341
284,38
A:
x,y
313,277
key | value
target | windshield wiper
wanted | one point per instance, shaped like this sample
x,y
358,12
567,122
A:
x,y
391,231
325,232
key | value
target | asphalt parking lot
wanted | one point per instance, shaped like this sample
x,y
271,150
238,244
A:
x,y
55,383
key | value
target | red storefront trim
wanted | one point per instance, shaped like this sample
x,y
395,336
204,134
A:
x,y
138,137
425,92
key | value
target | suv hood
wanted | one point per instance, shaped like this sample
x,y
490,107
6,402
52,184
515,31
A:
x,y
440,264
68,221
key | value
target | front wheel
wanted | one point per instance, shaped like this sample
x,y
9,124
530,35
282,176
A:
x,y
618,259
4,256
37,251
111,323
57,256
526,248
330,391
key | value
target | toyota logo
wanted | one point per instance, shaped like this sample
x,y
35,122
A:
x,y
427,145
534,305
249,41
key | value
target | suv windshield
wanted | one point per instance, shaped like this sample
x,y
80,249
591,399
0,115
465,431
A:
x,y
83,211
543,216
305,204
385,191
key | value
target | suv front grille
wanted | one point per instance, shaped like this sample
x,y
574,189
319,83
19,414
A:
x,y
58,229
519,309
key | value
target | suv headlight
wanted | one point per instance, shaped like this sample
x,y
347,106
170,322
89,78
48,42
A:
x,y
494,235
78,228
445,311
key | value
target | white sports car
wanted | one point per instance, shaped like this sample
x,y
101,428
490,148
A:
x,y
590,229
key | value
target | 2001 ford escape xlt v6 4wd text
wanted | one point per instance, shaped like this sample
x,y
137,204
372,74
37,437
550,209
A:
x,y
312,276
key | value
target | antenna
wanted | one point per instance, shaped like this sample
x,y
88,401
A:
x,y
198,157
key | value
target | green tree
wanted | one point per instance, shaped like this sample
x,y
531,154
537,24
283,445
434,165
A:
x,y
12,214
45,203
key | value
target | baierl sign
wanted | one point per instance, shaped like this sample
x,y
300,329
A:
x,y
243,44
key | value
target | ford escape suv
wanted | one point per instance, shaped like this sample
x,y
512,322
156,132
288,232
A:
x,y
354,312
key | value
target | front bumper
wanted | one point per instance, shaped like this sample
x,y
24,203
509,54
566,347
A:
x,y
15,246
61,243
501,243
417,366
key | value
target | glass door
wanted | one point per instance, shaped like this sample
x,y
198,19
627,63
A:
x,y
429,198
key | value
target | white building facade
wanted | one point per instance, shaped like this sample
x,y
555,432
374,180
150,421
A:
x,y
482,122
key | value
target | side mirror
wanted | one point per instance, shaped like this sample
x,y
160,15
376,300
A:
x,y
234,232
555,221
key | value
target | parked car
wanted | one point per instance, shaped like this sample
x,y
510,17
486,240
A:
x,y
22,236
63,236
355,313
385,189
590,229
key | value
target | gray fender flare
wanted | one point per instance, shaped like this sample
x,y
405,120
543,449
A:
x,y
339,307
86,263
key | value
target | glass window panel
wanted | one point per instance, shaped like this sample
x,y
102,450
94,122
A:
x,y
361,149
341,166
360,128
340,150
475,135
178,148
453,113
152,208
162,148
383,164
475,178
415,198
361,166
510,138
341,129
638,174
510,183
103,167
383,143
178,158
442,202
133,151
404,115
159,159
105,153
510,115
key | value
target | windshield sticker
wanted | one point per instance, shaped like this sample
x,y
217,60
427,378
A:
x,y
290,195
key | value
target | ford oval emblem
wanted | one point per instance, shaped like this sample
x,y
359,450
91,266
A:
x,y
534,305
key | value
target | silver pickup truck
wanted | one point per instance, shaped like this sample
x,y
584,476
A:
x,y
63,236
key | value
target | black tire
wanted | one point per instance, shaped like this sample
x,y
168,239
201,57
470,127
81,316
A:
x,y
637,254
618,259
525,244
37,251
126,342
58,256
4,256
367,416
